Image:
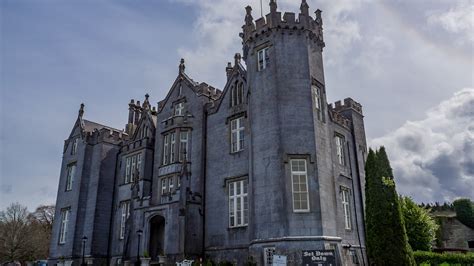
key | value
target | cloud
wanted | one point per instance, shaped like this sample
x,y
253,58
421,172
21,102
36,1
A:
x,y
215,32
458,20
433,158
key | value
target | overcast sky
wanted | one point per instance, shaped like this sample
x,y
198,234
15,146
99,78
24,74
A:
x,y
410,64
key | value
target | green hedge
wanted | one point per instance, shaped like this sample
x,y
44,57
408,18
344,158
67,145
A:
x,y
425,257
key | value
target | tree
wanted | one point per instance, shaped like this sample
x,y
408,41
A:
x,y
41,224
465,211
14,234
420,227
387,242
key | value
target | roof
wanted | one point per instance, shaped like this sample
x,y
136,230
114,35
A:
x,y
89,126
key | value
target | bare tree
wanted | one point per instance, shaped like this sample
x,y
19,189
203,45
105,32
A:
x,y
41,224
14,234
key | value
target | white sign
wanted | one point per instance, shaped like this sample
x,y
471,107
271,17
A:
x,y
279,260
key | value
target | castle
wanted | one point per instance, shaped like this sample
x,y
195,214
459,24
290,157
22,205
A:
x,y
261,168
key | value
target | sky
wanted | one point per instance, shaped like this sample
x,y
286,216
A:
x,y
409,63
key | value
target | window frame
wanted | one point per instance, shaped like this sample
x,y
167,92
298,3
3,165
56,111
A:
x,y
124,215
65,213
299,174
239,131
340,151
263,58
164,186
75,143
235,200
179,109
182,140
165,149
317,97
128,169
70,173
346,207
172,147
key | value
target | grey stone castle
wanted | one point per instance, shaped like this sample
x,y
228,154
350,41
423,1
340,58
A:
x,y
261,168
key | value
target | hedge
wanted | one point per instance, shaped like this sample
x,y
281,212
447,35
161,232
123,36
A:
x,y
425,257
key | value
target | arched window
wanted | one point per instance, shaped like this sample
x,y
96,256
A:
x,y
237,94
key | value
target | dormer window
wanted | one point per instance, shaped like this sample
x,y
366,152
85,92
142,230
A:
x,y
179,109
237,94
263,58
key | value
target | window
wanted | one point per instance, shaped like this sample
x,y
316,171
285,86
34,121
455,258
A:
x,y
173,147
165,149
64,222
263,58
268,256
237,134
355,258
317,98
125,213
183,146
237,94
238,203
70,172
179,109
133,165
163,186
299,180
346,207
170,184
74,146
340,149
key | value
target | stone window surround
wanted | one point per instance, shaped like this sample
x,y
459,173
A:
x,y
227,182
229,123
64,225
129,169
165,150
345,193
299,173
340,150
124,214
70,174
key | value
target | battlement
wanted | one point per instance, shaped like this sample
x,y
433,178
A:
x,y
349,103
274,21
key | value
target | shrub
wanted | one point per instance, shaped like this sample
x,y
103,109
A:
x,y
425,257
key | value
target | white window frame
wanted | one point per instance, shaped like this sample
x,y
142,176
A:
x,y
65,213
125,213
238,203
179,109
237,141
262,59
138,165
183,145
346,206
133,168
340,149
170,184
74,146
172,147
317,97
70,173
164,185
165,149
302,194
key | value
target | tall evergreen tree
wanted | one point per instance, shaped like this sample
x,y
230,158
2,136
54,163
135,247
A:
x,y
387,242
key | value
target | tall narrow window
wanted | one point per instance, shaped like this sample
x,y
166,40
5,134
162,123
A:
x,y
237,134
165,148
125,213
170,184
237,94
173,148
127,170
340,149
299,180
238,203
70,172
134,165
64,223
317,98
138,169
347,208
179,109
163,186
263,58
74,146
183,146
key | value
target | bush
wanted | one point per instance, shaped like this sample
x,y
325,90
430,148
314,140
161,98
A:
x,y
425,257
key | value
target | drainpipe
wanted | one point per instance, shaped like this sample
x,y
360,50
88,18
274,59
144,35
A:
x,y
203,176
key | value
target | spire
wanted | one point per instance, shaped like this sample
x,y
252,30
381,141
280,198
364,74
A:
x,y
319,20
181,66
248,16
304,8
146,103
81,110
273,6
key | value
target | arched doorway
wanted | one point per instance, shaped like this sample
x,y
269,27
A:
x,y
157,237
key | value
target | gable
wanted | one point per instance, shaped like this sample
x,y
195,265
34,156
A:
x,y
238,76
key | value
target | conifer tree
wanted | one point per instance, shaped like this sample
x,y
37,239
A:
x,y
387,242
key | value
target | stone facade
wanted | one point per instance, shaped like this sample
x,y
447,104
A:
x,y
265,166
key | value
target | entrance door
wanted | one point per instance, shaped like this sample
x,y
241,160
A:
x,y
157,237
